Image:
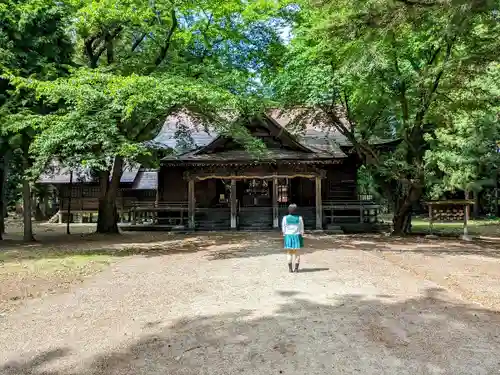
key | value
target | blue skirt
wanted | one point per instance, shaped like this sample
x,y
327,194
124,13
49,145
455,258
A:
x,y
293,241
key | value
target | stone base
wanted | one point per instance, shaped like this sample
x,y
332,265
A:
x,y
466,237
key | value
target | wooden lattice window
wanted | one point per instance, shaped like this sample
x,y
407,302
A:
x,y
76,192
91,191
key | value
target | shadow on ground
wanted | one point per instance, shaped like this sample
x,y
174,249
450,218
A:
x,y
144,244
267,244
352,334
417,245
231,245
218,245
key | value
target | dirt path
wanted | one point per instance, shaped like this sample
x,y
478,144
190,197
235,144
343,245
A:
x,y
233,309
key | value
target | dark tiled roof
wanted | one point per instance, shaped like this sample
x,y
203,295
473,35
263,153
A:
x,y
146,180
129,175
61,175
182,135
308,126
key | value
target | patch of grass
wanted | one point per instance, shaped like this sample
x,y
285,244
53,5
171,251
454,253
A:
x,y
50,265
487,228
22,278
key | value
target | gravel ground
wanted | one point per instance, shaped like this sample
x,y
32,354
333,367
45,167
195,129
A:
x,y
234,309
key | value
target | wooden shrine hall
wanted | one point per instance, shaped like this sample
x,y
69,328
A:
x,y
217,185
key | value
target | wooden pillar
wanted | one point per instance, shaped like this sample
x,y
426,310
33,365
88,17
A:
x,y
134,216
319,204
191,204
69,200
157,197
275,203
233,205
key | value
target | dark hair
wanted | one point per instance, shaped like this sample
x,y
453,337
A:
x,y
292,208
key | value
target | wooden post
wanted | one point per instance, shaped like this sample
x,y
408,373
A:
x,y
157,197
275,203
233,204
134,216
319,205
191,204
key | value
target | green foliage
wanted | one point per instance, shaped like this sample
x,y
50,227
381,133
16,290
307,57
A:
x,y
148,60
381,60
463,152
105,115
34,44
14,180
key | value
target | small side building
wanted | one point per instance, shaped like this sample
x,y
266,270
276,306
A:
x,y
80,193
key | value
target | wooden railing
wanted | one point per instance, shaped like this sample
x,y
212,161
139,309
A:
x,y
354,211
176,213
157,207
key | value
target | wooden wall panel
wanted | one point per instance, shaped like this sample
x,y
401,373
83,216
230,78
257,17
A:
x,y
175,187
205,193
341,182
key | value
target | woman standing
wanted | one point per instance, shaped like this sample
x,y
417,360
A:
x,y
293,231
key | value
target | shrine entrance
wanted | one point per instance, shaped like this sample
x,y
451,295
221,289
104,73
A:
x,y
255,204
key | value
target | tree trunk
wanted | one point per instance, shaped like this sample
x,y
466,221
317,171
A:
x,y
402,221
27,211
477,205
107,221
28,228
404,208
4,171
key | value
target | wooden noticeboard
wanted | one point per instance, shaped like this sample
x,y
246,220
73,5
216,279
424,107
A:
x,y
450,210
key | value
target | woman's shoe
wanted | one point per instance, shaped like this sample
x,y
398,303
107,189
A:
x,y
290,267
296,268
